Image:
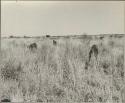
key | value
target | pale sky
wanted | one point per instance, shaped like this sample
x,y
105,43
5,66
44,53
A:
x,y
61,17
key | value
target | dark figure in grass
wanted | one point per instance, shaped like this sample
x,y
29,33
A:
x,y
32,46
93,51
54,42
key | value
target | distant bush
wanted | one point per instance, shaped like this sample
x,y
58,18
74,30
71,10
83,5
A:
x,y
26,37
11,36
47,35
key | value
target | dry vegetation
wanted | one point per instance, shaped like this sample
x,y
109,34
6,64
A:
x,y
56,73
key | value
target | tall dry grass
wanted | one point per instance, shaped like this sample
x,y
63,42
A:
x,y
57,73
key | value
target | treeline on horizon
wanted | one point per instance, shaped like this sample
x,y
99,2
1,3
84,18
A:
x,y
68,36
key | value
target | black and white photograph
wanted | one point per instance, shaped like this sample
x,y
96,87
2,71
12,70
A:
x,y
62,51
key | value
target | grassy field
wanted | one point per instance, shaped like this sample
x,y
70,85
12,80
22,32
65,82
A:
x,y
56,73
